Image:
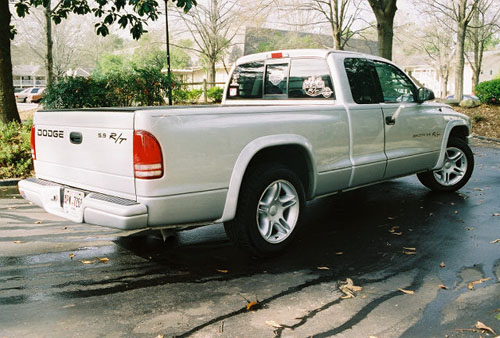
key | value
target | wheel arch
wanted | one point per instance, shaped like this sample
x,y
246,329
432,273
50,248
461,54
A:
x,y
279,148
455,128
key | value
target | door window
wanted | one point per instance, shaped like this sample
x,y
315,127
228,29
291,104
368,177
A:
x,y
365,88
396,87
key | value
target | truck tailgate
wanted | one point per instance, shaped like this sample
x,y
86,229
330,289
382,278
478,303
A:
x,y
90,150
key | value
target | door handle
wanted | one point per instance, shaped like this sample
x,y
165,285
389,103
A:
x,y
389,120
75,137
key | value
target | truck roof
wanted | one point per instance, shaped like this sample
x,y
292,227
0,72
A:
x,y
292,53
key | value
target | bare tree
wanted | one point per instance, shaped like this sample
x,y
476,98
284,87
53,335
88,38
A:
x,y
484,25
460,12
385,11
437,42
214,25
339,15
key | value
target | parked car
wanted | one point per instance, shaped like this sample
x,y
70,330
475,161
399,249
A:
x,y
293,126
36,97
27,93
466,97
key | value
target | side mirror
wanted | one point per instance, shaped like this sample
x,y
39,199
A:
x,y
425,94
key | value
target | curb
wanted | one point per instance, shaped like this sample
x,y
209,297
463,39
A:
x,y
486,138
9,182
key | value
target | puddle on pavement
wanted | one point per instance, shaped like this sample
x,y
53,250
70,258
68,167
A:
x,y
9,192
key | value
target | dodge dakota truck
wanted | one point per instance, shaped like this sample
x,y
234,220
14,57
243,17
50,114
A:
x,y
294,125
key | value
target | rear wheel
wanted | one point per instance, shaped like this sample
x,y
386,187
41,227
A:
x,y
269,210
456,171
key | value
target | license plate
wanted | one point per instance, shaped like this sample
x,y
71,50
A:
x,y
72,203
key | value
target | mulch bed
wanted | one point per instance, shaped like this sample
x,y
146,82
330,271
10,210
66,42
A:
x,y
485,120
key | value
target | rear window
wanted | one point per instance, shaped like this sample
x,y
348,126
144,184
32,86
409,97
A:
x,y
302,78
246,81
310,79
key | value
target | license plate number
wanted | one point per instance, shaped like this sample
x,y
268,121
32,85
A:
x,y
72,203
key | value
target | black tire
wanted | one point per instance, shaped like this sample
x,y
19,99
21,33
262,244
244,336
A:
x,y
260,184
434,179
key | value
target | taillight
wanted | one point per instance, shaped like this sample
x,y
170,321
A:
x,y
33,151
148,160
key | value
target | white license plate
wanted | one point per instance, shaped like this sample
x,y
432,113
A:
x,y
72,203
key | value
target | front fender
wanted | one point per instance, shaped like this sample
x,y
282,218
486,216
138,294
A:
x,y
452,123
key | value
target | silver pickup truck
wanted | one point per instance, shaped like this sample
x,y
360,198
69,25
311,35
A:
x,y
293,126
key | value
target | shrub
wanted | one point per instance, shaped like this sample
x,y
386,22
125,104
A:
x,y
183,96
15,150
136,87
215,94
488,91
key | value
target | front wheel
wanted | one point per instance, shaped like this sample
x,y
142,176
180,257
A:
x,y
456,171
269,210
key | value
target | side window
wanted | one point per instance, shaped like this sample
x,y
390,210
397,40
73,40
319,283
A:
x,y
276,79
246,81
363,81
396,86
310,79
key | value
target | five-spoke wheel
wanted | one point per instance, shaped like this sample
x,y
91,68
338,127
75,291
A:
x,y
456,170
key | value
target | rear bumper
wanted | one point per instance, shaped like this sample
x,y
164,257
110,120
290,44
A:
x,y
97,208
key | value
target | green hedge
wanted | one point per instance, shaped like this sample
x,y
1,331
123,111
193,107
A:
x,y
137,87
15,150
488,91
215,94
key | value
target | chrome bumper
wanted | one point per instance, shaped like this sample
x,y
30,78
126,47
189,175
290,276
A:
x,y
97,208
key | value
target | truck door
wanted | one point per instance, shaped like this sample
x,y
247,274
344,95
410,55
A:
x,y
412,130
366,120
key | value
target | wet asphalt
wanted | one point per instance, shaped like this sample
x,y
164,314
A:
x,y
61,279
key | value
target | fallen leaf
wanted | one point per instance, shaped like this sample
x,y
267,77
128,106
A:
x,y
397,233
103,259
391,218
481,326
11,208
496,214
477,189
410,249
469,228
253,305
482,280
38,222
323,268
339,253
19,242
273,324
408,292
71,255
88,262
442,265
409,252
495,241
65,228
160,336
444,287
456,211
452,203
393,229
349,289
431,214
222,271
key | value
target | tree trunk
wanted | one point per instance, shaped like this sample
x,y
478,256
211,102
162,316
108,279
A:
x,y
384,11
460,61
49,62
385,32
212,73
8,108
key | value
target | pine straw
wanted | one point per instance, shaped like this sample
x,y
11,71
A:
x,y
485,120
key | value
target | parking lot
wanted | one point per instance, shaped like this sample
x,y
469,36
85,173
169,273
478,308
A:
x,y
428,265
